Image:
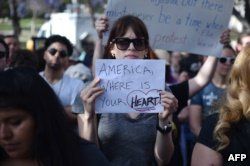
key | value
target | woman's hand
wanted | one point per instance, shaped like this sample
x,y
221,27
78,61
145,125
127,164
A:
x,y
170,104
89,94
225,37
101,26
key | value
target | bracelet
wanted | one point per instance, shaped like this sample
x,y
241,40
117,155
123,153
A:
x,y
165,129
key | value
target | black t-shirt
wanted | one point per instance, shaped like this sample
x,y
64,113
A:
x,y
206,133
181,92
239,140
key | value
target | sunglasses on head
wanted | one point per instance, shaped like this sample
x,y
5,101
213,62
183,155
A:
x,y
2,54
62,53
226,59
122,43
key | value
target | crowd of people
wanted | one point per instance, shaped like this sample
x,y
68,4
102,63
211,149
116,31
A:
x,y
47,116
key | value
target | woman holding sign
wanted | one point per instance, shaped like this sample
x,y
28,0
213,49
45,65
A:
x,y
133,138
129,40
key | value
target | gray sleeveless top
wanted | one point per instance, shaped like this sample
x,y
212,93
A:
x,y
126,141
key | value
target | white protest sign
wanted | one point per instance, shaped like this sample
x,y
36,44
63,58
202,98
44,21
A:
x,y
130,85
192,26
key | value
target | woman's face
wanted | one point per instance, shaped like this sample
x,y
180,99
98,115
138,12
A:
x,y
17,130
136,49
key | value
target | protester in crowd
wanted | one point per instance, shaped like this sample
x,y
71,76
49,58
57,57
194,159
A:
x,y
181,91
242,41
202,104
227,134
196,76
33,125
24,58
4,54
140,143
188,69
57,51
13,43
87,46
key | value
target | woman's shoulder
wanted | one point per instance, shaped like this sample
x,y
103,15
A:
x,y
91,155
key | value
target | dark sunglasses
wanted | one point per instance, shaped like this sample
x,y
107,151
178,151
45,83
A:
x,y
2,54
123,43
62,53
226,59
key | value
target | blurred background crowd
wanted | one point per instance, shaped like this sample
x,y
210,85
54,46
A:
x,y
25,24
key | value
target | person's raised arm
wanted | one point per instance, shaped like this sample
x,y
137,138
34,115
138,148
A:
x,y
101,26
204,75
87,122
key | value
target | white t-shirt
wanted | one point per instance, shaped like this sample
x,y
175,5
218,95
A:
x,y
68,90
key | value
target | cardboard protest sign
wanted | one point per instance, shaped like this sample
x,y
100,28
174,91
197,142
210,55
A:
x,y
130,85
192,26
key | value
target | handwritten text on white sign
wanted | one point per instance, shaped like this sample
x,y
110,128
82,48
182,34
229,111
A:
x,y
130,85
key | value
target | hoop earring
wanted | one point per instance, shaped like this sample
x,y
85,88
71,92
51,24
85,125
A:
x,y
145,56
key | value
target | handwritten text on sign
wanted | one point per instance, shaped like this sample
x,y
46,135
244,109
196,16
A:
x,y
193,26
130,85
